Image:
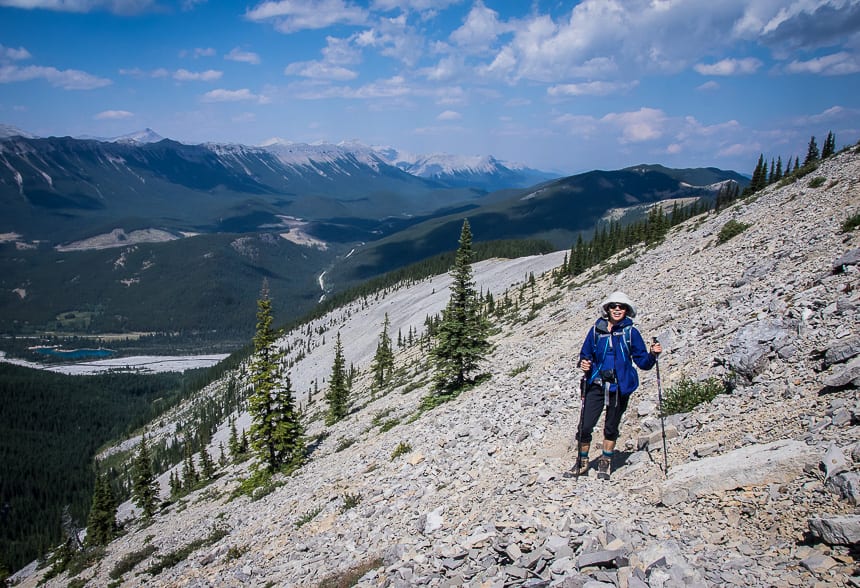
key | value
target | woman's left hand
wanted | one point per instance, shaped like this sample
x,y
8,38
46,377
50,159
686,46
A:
x,y
656,348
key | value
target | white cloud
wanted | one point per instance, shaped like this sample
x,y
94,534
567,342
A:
x,y
579,124
290,16
424,6
610,39
591,88
832,115
113,115
449,115
738,149
11,54
447,68
709,86
729,67
842,63
503,65
319,70
692,128
237,54
337,53
341,51
480,30
136,72
204,52
391,88
183,75
450,96
68,79
115,6
222,95
394,38
645,124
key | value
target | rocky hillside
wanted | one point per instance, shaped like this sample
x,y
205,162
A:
x,y
762,483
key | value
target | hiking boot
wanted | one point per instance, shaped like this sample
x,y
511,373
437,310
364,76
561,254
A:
x,y
575,471
604,466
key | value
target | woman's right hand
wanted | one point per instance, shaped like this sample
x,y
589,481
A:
x,y
585,365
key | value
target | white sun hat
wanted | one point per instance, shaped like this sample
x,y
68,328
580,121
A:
x,y
620,298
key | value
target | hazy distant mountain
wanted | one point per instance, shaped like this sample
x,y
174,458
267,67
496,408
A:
x,y
699,176
10,131
60,188
482,171
147,135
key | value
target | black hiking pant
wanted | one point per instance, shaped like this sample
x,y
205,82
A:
x,y
594,404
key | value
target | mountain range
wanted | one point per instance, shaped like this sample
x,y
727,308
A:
x,y
193,230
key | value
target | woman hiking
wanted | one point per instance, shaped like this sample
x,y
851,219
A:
x,y
608,353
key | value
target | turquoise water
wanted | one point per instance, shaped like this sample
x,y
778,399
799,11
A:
x,y
75,353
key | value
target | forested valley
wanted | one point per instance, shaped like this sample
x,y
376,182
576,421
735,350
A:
x,y
51,427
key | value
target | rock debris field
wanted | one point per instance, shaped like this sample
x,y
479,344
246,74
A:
x,y
762,482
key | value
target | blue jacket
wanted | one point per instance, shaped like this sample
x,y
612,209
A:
x,y
611,352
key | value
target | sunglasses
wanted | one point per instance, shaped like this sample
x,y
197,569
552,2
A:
x,y
616,306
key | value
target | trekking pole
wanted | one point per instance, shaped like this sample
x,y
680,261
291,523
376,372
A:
x,y
582,386
662,419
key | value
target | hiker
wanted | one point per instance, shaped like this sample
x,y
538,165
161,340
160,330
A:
x,y
611,347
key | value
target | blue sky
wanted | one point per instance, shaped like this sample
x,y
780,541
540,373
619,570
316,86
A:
x,y
563,86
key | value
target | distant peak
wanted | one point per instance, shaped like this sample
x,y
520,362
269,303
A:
x,y
147,135
275,141
10,131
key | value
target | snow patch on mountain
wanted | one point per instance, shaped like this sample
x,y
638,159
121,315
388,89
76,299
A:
x,y
313,154
147,135
10,131
436,164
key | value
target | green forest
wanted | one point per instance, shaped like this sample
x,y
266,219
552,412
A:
x,y
51,427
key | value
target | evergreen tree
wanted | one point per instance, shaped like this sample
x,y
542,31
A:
x,y
207,466
462,336
338,392
145,489
233,442
101,522
759,180
811,152
175,485
276,432
353,372
778,168
829,147
383,360
244,444
189,471
578,257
